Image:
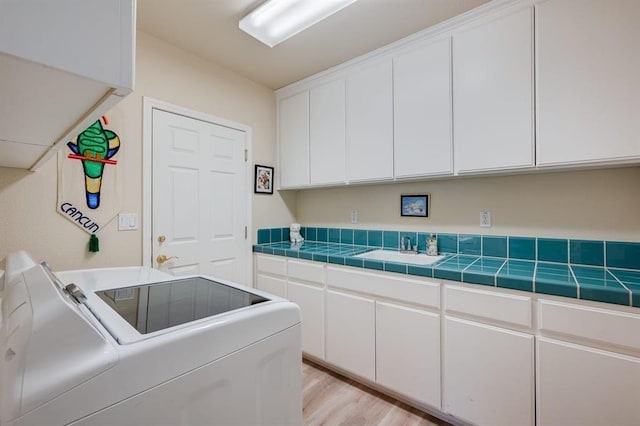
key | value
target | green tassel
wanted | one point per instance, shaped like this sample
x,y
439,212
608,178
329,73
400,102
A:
x,y
94,244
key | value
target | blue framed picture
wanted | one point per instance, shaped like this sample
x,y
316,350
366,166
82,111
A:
x,y
414,205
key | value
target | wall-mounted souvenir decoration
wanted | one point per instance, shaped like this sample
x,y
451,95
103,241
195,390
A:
x,y
264,180
414,205
89,187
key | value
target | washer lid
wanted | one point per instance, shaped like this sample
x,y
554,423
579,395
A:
x,y
153,307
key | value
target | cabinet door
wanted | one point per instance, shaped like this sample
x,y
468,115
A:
x,y
493,93
271,285
588,63
422,111
370,123
327,133
351,333
408,352
54,33
488,375
294,141
583,386
311,302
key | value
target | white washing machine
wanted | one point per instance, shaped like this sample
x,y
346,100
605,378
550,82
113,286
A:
x,y
125,346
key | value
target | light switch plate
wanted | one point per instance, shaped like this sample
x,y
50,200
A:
x,y
127,221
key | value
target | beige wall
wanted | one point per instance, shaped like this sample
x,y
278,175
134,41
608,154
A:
x,y
587,204
594,204
28,219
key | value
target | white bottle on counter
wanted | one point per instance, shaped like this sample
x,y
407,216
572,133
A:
x,y
432,245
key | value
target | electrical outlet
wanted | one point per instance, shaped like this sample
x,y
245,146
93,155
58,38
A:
x,y
354,216
485,219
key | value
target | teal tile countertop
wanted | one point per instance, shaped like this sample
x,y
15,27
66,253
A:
x,y
588,282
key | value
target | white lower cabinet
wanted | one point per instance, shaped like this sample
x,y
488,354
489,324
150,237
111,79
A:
x,y
408,352
351,341
578,385
310,299
273,285
488,374
474,353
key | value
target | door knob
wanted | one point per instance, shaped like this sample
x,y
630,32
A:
x,y
161,239
163,258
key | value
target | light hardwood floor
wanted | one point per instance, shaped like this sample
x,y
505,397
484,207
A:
x,y
330,399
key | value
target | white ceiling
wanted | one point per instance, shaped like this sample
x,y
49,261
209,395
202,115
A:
x,y
209,28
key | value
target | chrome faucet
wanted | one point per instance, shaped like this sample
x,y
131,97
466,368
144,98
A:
x,y
405,245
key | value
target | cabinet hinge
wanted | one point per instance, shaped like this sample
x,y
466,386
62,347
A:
x,y
245,232
246,155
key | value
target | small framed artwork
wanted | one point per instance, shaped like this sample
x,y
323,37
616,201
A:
x,y
264,180
414,205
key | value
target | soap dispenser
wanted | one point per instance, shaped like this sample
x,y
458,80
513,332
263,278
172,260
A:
x,y
432,245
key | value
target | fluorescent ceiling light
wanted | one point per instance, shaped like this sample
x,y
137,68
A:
x,y
274,21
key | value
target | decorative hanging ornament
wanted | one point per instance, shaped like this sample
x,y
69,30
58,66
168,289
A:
x,y
94,244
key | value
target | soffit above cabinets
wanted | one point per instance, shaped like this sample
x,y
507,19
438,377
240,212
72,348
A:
x,y
210,30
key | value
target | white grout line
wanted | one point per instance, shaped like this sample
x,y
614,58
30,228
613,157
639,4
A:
x,y
465,268
535,272
495,277
576,280
622,284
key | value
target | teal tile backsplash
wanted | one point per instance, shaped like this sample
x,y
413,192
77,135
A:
x,y
553,250
623,255
276,235
375,238
602,271
522,248
334,235
360,237
494,246
346,236
585,252
470,244
611,254
264,236
311,234
390,239
448,243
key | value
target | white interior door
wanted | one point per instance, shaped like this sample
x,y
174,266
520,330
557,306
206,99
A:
x,y
198,197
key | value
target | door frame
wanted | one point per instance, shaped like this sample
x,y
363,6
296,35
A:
x,y
148,105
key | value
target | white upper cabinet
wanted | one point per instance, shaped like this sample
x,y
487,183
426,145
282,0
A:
x,y
463,98
370,122
493,92
63,64
294,140
422,110
327,149
588,68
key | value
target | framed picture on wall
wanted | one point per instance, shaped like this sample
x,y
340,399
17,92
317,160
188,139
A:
x,y
264,180
414,205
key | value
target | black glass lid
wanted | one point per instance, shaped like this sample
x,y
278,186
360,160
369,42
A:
x,y
157,306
